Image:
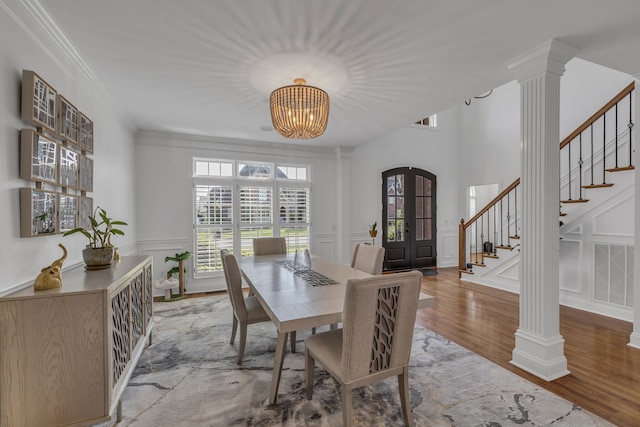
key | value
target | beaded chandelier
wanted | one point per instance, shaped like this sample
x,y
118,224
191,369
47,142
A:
x,y
299,111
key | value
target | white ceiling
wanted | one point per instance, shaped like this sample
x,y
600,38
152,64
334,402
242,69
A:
x,y
207,67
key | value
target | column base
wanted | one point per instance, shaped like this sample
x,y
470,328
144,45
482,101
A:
x,y
634,340
541,357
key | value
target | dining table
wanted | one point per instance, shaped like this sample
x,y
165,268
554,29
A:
x,y
299,297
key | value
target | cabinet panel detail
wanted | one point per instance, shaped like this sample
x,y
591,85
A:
x,y
120,330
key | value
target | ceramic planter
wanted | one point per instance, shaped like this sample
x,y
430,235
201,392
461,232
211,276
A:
x,y
98,258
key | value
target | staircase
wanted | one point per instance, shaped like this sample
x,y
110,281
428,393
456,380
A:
x,y
595,166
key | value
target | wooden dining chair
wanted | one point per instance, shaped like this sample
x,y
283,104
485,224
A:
x,y
368,258
247,310
269,246
375,340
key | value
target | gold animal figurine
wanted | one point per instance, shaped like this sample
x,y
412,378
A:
x,y
51,277
116,252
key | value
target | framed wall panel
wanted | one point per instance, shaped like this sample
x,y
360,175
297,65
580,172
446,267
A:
x,y
86,173
68,207
68,120
69,168
86,209
38,157
37,212
38,101
86,133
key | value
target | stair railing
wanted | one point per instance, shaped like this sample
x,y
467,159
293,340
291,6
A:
x,y
597,146
606,151
502,211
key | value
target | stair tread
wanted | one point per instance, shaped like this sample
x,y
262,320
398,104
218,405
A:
x,y
491,256
514,237
503,247
479,264
575,201
563,214
466,271
621,169
603,185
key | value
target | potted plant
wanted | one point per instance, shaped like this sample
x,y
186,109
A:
x,y
180,269
99,252
372,230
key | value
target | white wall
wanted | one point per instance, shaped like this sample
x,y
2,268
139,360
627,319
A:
x,y
26,46
433,150
165,197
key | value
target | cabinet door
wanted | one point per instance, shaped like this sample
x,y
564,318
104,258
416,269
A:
x,y
137,309
120,328
53,356
148,297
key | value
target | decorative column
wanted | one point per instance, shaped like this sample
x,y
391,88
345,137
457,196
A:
x,y
539,345
635,335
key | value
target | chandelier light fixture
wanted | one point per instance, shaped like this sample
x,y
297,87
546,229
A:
x,y
299,111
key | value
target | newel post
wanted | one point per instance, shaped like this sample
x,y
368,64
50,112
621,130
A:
x,y
462,261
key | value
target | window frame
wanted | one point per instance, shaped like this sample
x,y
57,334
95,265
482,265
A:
x,y
238,226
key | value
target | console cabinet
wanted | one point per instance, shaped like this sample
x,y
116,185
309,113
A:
x,y
66,354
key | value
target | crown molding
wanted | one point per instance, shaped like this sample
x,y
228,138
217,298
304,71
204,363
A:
x,y
549,57
34,19
232,145
41,17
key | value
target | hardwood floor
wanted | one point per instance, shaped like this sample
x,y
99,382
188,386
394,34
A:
x,y
605,371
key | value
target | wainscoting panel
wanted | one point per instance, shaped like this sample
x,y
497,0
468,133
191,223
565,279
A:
x,y
325,245
616,220
613,274
448,255
570,265
161,248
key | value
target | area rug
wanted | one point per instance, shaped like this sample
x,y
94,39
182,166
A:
x,y
189,377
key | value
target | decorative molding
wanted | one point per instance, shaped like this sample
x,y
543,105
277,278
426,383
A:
x,y
36,22
31,34
605,309
576,231
54,32
230,145
571,263
549,57
608,208
634,340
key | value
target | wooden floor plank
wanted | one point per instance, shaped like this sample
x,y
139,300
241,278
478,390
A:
x,y
605,371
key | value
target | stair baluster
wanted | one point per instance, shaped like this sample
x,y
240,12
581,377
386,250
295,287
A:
x,y
604,146
616,136
580,165
591,127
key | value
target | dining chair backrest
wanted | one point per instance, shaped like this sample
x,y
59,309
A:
x,y
233,277
269,246
378,323
368,258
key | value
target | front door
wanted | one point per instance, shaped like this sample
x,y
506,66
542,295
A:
x,y
408,218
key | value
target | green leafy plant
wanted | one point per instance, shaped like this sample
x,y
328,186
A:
x,y
101,230
373,226
177,258
180,270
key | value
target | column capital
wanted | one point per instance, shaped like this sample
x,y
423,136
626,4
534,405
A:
x,y
549,57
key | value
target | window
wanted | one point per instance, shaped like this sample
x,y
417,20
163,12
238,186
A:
x,y
235,202
431,121
212,168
